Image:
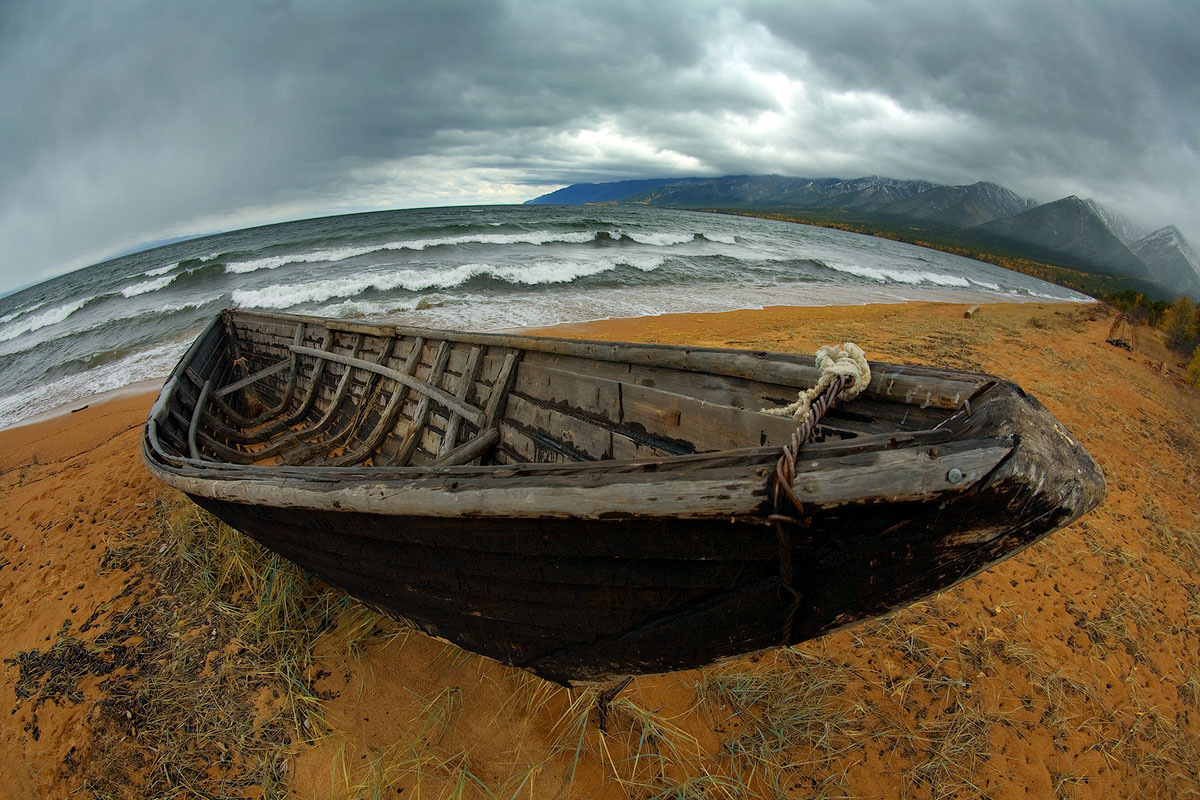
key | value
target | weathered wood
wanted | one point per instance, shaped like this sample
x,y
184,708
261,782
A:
x,y
466,382
895,475
278,366
445,398
291,438
595,542
310,396
194,424
304,454
286,395
388,418
911,384
469,451
413,437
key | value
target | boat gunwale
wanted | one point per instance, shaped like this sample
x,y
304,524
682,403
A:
x,y
166,464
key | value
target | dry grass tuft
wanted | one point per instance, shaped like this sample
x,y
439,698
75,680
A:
x,y
206,679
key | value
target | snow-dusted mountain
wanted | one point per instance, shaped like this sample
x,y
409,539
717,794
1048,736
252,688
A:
x,y
1171,260
960,206
1125,230
1071,227
774,191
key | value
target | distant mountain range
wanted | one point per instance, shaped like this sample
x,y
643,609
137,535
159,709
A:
x,y
1075,233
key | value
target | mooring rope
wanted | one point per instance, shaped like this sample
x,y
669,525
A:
x,y
844,375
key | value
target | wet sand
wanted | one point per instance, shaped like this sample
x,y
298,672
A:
x,y
1071,670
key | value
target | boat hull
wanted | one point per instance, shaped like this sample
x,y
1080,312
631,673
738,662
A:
x,y
590,570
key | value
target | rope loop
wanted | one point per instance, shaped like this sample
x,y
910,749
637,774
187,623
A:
x,y
844,375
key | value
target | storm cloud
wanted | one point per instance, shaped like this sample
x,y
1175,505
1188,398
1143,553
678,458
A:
x,y
129,122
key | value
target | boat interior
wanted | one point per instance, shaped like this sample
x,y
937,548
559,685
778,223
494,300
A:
x,y
270,390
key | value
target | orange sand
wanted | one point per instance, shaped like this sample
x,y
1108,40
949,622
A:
x,y
1071,670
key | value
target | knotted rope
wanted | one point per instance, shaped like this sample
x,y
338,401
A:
x,y
844,375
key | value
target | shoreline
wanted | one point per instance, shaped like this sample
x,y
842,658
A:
x,y
938,296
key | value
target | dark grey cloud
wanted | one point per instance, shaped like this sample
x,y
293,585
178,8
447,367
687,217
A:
x,y
134,121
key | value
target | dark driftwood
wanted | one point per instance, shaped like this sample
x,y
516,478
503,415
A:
x,y
586,509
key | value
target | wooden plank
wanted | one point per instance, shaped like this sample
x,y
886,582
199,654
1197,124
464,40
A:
x,y
194,425
445,398
286,394
896,475
291,438
310,396
578,436
705,425
502,386
521,448
413,437
367,394
278,366
466,381
670,415
387,419
710,494
469,451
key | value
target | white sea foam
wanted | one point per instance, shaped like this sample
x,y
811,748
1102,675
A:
x,y
367,308
528,237
51,316
286,295
122,312
316,256
721,238
663,238
153,273
154,362
20,311
146,287
884,275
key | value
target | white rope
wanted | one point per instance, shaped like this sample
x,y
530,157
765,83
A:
x,y
834,361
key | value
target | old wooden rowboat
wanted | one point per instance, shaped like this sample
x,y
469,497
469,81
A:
x,y
585,510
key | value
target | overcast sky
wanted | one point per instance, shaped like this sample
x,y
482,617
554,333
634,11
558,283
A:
x,y
124,123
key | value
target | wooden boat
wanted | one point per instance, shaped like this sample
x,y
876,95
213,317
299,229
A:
x,y
586,510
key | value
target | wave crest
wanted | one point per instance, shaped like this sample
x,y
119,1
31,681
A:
x,y
51,316
286,295
145,287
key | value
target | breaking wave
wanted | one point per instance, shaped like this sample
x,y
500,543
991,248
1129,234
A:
x,y
541,237
20,311
145,287
286,295
885,275
51,316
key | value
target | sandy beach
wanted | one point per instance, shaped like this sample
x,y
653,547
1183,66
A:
x,y
1070,670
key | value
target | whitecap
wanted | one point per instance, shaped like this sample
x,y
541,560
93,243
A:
x,y
20,311
286,295
51,316
154,273
145,287
154,362
316,256
343,253
662,239
883,275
